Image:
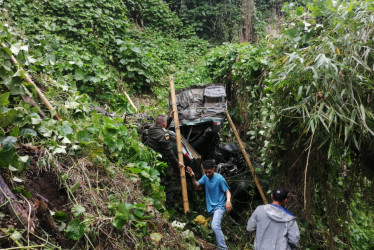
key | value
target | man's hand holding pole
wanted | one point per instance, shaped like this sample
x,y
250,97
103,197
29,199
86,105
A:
x,y
180,165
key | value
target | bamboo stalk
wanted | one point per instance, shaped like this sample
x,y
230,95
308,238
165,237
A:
x,y
128,98
25,247
38,91
186,205
249,163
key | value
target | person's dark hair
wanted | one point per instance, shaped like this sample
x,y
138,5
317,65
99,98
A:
x,y
280,194
160,119
209,164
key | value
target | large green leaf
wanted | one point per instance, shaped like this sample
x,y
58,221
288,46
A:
x,y
65,129
8,157
23,163
120,220
84,136
153,172
110,123
75,229
17,47
140,214
8,117
124,208
4,99
78,210
28,132
8,143
60,216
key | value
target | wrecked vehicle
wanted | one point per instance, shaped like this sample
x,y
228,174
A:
x,y
201,113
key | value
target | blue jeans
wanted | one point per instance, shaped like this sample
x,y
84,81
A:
x,y
216,227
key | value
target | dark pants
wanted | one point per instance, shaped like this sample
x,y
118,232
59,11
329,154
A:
x,y
167,181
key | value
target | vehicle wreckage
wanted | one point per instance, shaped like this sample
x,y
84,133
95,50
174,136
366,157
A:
x,y
201,113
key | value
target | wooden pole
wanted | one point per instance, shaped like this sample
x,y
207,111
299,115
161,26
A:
x,y
38,91
249,163
179,146
128,98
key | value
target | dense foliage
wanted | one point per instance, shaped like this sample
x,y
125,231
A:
x,y
303,102
112,146
81,53
325,89
93,44
212,20
307,100
223,20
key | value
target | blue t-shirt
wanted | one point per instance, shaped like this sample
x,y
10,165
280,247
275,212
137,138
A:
x,y
215,189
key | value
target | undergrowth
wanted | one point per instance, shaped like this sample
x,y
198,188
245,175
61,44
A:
x,y
303,101
111,179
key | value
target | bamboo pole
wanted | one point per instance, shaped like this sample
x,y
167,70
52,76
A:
x,y
38,91
179,147
249,163
128,98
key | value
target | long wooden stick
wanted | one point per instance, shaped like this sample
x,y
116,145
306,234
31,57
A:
x,y
249,163
38,91
128,98
179,147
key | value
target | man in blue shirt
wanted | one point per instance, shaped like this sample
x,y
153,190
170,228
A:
x,y
218,197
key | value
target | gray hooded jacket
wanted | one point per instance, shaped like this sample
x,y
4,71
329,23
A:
x,y
275,227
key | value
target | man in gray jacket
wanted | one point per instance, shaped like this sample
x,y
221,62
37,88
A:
x,y
275,226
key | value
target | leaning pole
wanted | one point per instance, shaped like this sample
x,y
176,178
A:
x,y
249,163
186,205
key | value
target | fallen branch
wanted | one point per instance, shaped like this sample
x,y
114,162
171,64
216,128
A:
x,y
14,208
38,91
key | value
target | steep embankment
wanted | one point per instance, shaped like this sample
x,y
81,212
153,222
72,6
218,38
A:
x,y
304,101
87,180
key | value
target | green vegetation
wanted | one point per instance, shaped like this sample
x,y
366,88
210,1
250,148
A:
x,y
94,46
303,99
305,102
82,53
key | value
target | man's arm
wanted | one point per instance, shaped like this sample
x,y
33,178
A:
x,y
293,234
252,222
194,181
170,118
228,205
168,153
